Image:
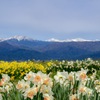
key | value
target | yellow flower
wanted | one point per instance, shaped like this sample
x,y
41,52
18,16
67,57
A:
x,y
12,78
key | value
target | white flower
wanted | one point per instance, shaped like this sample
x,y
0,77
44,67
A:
x,y
66,83
97,82
30,93
98,88
60,77
71,76
5,78
82,89
89,91
48,97
92,77
29,76
81,75
65,74
1,89
73,97
2,82
8,87
38,79
20,85
47,81
46,90
26,86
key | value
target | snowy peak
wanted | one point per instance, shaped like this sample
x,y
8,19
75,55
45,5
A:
x,y
77,40
1,39
54,40
70,40
19,38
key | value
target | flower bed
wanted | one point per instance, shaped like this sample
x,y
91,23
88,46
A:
x,y
63,86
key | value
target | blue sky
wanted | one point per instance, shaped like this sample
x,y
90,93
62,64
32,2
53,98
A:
x,y
44,19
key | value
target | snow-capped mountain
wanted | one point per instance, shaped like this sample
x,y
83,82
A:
x,y
69,40
19,38
54,40
1,39
23,48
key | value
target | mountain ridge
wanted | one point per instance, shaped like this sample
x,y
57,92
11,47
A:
x,y
19,38
23,48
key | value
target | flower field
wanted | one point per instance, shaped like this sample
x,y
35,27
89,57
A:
x,y
50,80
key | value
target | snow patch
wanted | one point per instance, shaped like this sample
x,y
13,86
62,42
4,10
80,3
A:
x,y
70,40
19,38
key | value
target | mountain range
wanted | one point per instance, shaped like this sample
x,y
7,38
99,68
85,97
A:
x,y
22,48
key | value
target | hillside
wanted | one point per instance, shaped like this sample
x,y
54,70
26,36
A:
x,y
24,48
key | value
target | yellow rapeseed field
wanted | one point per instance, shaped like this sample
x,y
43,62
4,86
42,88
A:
x,y
17,70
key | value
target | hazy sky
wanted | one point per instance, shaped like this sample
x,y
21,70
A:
x,y
44,19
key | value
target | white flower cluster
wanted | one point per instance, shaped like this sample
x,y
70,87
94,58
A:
x,y
97,85
84,86
34,84
75,65
63,77
39,86
5,84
